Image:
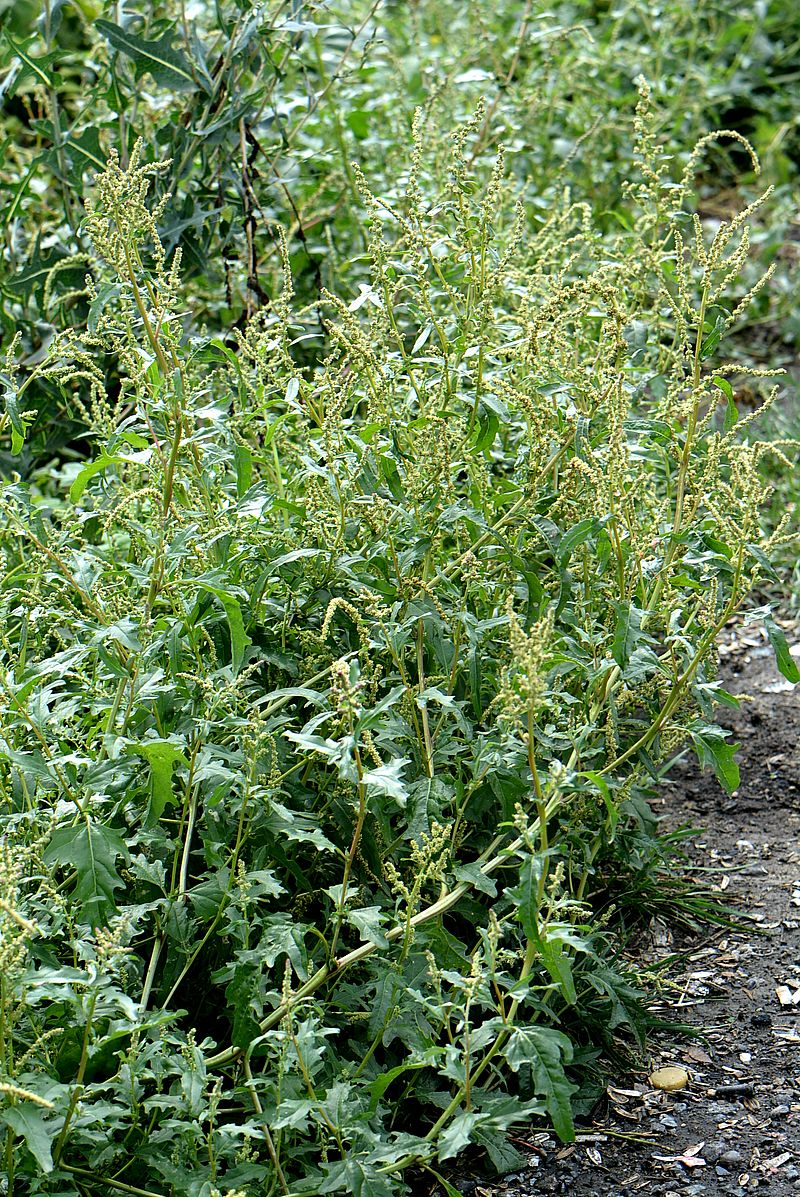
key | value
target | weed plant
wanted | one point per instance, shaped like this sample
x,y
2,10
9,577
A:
x,y
339,665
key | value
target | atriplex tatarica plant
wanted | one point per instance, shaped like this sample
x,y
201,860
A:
x,y
334,680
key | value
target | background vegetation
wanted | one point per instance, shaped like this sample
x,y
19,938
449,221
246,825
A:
x,y
390,425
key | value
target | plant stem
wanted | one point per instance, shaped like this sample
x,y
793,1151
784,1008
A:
x,y
107,1182
76,1092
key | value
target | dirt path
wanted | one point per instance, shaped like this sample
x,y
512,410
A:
x,y
735,1128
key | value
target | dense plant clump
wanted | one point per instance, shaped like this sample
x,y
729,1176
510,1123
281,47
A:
x,y
368,525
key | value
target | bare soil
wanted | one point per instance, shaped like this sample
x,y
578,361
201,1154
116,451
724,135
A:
x,y
734,1129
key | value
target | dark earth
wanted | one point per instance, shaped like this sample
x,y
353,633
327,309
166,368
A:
x,y
735,1127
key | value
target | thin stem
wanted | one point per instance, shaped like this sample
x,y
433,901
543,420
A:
x,y
259,1109
426,731
147,987
107,1182
76,1092
351,855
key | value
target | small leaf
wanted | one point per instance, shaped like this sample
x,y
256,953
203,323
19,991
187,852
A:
x,y
244,469
724,386
715,333
422,338
106,293
577,535
766,565
358,120
731,416
487,431
16,419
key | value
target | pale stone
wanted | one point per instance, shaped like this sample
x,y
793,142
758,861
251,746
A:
x,y
669,1079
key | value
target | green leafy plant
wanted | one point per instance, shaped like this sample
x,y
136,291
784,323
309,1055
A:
x,y
340,656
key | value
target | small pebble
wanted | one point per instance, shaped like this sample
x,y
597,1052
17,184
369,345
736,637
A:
x,y
779,1111
718,1109
669,1079
732,1158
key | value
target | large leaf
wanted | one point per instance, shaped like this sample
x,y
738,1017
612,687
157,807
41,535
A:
x,y
546,1051
32,277
242,994
85,152
357,1178
38,67
457,1135
384,1079
504,1155
91,849
712,749
525,896
240,641
368,922
628,633
387,779
168,67
29,1123
783,657
31,763
162,756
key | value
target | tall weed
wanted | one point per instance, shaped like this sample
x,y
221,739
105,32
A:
x,y
328,689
